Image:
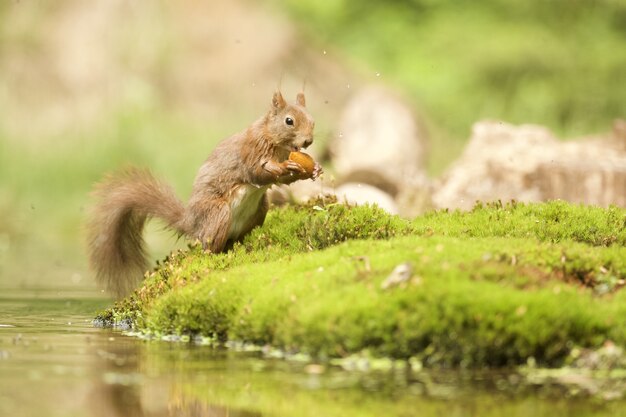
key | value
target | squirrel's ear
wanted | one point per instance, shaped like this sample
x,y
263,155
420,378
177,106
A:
x,y
278,102
300,99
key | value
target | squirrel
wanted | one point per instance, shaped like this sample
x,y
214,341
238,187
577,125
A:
x,y
227,201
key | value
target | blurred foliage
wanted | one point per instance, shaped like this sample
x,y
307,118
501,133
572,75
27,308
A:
x,y
44,188
558,63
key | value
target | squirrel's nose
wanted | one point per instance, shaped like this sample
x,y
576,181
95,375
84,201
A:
x,y
308,142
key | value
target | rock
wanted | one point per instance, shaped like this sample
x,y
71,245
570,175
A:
x,y
300,191
415,198
583,180
359,194
590,171
380,143
609,356
378,136
527,163
494,165
352,193
400,274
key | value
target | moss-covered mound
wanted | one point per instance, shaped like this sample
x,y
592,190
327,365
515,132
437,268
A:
x,y
494,286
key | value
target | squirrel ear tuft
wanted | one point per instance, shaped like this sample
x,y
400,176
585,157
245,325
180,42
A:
x,y
278,102
300,99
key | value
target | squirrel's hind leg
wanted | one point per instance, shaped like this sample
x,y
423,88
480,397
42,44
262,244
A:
x,y
216,225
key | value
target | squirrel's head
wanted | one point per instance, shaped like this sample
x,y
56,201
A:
x,y
290,125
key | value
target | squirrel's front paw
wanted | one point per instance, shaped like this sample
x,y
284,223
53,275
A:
x,y
274,169
294,167
317,171
294,170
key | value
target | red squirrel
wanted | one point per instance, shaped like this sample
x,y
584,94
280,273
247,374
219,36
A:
x,y
228,198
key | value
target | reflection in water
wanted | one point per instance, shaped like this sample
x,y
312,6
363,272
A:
x,y
121,388
116,385
53,363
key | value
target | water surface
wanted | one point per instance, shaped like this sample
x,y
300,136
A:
x,y
54,363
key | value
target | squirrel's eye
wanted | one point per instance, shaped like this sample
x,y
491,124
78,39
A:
x,y
289,121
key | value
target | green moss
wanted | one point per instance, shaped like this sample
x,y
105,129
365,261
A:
x,y
286,231
494,286
554,222
323,223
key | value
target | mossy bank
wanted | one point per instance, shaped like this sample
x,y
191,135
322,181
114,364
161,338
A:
x,y
499,285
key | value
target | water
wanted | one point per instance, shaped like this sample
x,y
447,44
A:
x,y
54,363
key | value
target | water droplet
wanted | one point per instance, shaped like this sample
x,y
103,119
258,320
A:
x,y
324,52
348,86
378,74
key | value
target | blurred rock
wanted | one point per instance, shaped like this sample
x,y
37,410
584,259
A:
x,y
378,133
415,197
353,193
300,191
379,142
374,178
527,163
359,194
495,164
584,172
608,356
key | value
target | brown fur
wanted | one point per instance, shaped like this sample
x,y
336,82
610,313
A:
x,y
231,182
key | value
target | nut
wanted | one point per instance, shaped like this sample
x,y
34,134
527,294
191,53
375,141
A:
x,y
304,160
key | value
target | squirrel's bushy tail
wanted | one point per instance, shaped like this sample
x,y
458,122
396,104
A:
x,y
115,243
